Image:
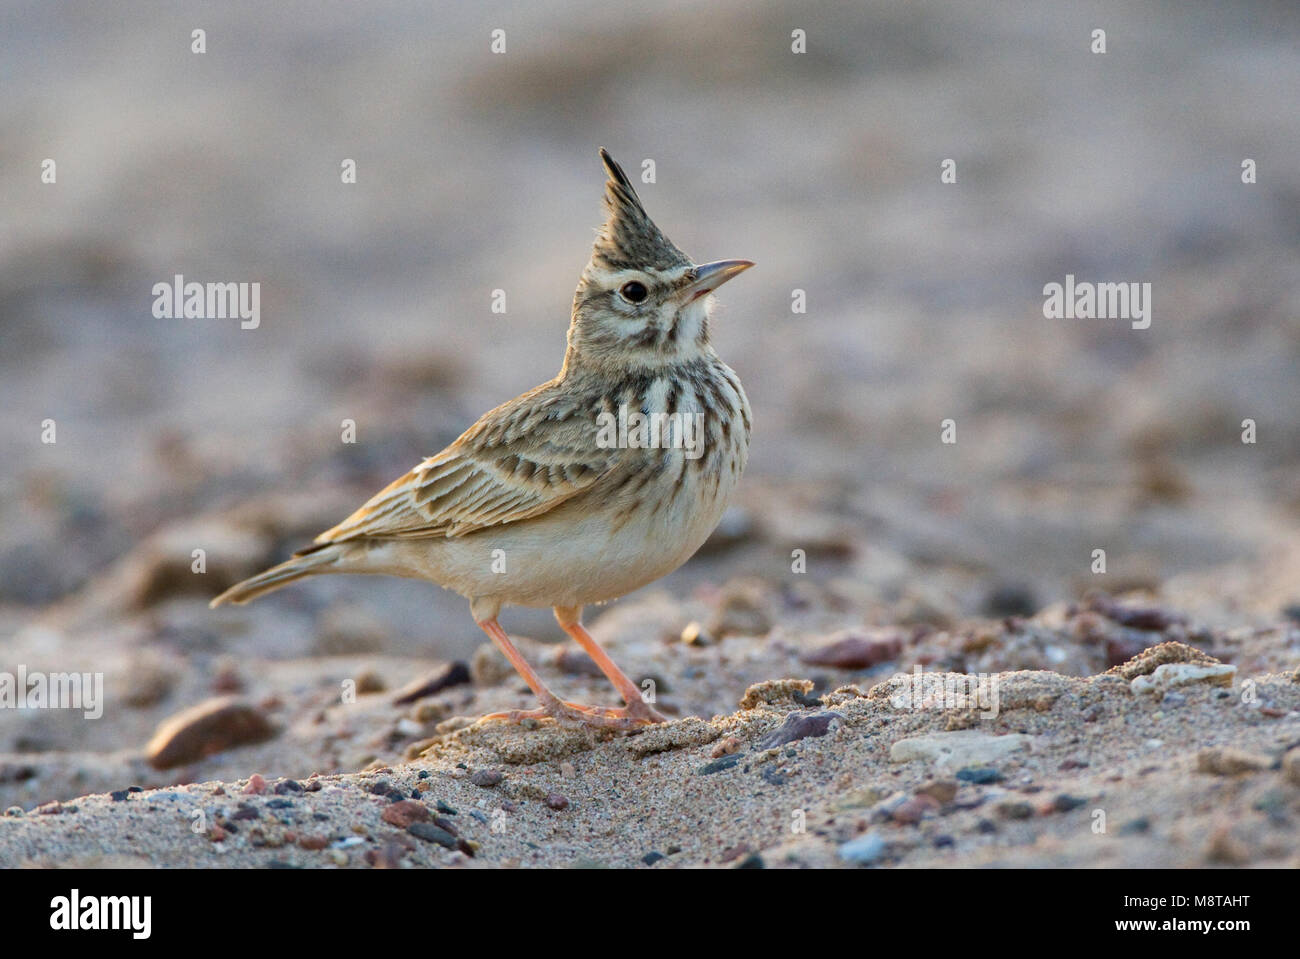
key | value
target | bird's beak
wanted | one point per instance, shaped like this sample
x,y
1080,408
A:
x,y
710,276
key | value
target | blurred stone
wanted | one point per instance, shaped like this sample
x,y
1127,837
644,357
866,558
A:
x,y
854,650
210,727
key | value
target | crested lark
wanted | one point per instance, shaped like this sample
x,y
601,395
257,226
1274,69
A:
x,y
543,503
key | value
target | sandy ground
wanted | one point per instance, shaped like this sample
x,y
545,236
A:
x,y
1106,734
479,172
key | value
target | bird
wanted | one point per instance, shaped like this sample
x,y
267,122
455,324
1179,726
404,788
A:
x,y
604,479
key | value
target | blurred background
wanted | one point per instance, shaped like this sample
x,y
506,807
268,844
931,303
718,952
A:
x,y
478,171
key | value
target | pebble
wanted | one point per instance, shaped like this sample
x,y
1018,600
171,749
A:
x,y
556,801
487,778
1169,675
1014,809
405,812
287,786
695,635
913,810
979,775
651,858
119,795
456,674
442,807
856,651
210,727
1227,761
752,861
960,748
718,765
864,850
255,786
313,843
942,791
799,726
1135,826
1064,802
431,833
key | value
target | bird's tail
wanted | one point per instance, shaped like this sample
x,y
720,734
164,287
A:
x,y
311,562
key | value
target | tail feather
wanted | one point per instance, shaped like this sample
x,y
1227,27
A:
x,y
310,563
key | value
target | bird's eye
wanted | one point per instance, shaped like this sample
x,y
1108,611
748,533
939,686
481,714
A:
x,y
633,292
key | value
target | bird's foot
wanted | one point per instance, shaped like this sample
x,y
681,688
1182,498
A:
x,y
605,717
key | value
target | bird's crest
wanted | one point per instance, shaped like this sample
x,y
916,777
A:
x,y
629,239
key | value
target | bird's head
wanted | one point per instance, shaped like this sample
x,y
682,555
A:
x,y
641,301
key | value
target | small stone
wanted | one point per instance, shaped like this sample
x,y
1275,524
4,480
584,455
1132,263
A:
x,y
287,787
913,810
256,785
210,727
370,682
1064,802
959,748
1135,827
1170,675
942,791
487,778
119,795
651,858
556,801
752,861
405,812
864,850
718,765
1227,761
1014,809
442,807
431,833
313,843
456,674
979,775
694,635
799,726
857,651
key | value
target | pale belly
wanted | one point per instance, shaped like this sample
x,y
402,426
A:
x,y
585,551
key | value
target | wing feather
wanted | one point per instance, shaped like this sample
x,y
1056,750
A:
x,y
521,460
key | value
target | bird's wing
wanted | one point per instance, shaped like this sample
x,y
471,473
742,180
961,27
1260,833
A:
x,y
520,460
